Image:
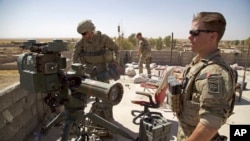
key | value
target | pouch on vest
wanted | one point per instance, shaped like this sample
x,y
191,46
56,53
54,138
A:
x,y
108,56
175,90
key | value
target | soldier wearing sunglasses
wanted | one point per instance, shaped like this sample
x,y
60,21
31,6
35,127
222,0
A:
x,y
99,53
207,97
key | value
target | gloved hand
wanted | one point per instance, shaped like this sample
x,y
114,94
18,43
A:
x,y
119,69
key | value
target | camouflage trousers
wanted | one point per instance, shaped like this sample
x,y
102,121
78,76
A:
x,y
147,60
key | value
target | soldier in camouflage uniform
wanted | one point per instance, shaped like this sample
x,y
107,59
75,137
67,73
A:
x,y
207,99
97,51
144,53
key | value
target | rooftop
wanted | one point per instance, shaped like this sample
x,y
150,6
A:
x,y
123,117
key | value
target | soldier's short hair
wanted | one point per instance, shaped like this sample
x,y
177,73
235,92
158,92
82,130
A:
x,y
138,34
214,21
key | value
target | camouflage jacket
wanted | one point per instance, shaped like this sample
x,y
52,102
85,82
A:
x,y
208,95
144,46
98,49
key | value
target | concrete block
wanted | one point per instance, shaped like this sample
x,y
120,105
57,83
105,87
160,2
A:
x,y
8,131
3,121
9,89
14,110
8,117
33,122
28,101
9,66
5,101
41,108
37,96
19,136
34,110
18,94
24,118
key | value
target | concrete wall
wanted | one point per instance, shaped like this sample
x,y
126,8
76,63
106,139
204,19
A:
x,y
21,112
181,58
177,58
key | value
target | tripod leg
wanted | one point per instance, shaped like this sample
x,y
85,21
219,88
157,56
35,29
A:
x,y
56,120
112,127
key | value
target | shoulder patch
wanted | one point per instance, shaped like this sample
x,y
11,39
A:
x,y
214,84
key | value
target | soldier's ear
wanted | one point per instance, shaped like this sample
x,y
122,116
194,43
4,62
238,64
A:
x,y
214,36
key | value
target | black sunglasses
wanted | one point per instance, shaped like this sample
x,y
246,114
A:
x,y
83,34
197,32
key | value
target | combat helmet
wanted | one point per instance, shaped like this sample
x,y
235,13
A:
x,y
85,26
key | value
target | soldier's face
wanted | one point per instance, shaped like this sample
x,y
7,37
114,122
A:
x,y
199,38
138,37
86,35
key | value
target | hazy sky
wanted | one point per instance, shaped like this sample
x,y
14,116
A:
x,y
154,18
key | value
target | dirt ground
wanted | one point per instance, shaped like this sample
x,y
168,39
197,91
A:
x,y
8,77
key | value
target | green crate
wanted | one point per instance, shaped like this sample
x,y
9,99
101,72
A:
x,y
156,128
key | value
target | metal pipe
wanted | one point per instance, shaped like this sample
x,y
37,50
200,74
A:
x,y
244,74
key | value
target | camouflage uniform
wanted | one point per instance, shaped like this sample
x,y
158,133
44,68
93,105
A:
x,y
208,94
145,56
97,54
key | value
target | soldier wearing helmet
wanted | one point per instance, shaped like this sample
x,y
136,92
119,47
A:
x,y
85,26
98,52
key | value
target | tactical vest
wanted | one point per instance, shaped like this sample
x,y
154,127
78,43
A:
x,y
96,52
189,116
94,57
